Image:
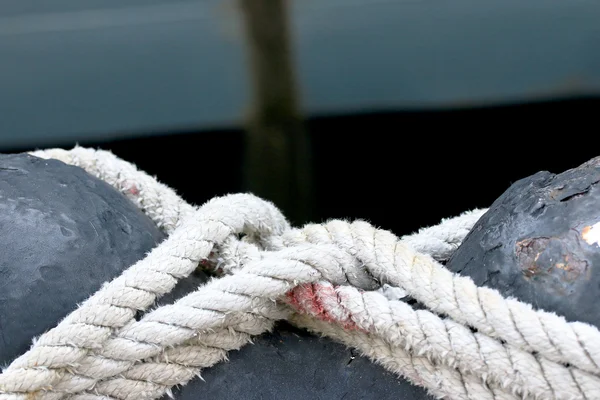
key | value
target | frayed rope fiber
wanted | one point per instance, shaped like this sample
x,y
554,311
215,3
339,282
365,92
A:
x,y
345,280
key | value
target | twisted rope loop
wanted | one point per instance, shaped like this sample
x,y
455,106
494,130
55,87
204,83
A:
x,y
346,280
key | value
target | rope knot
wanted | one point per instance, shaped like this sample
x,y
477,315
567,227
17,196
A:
x,y
463,342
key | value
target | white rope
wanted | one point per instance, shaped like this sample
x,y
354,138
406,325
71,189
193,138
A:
x,y
425,333
440,241
451,344
445,293
99,345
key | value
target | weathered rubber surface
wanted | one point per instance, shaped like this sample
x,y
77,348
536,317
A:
x,y
290,364
63,233
539,243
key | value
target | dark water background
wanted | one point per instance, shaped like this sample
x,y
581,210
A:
x,y
400,171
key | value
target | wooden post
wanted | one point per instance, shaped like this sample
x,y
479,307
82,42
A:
x,y
277,162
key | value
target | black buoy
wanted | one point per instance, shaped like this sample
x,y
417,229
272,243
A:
x,y
63,233
539,242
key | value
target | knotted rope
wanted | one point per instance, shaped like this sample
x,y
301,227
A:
x,y
344,280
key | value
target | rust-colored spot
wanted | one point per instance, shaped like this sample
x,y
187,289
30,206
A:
x,y
528,252
554,262
562,266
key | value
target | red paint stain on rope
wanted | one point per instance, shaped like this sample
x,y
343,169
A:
x,y
131,188
309,299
